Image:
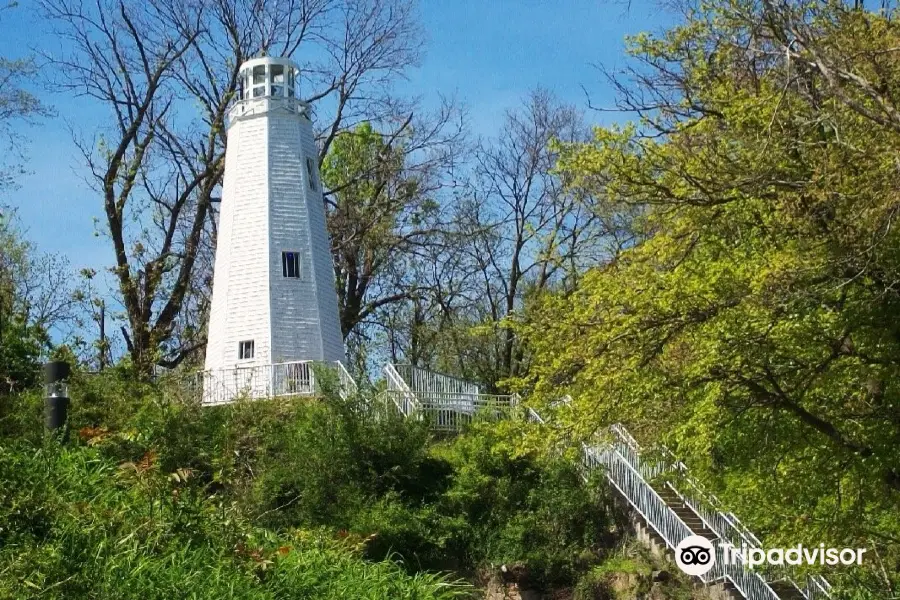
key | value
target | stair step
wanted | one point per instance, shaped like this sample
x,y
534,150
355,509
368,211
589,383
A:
x,y
687,514
786,590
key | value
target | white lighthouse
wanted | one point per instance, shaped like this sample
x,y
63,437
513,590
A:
x,y
274,304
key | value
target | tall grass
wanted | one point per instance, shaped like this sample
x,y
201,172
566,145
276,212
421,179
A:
x,y
75,524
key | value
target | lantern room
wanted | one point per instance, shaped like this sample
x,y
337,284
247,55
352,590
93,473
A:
x,y
268,77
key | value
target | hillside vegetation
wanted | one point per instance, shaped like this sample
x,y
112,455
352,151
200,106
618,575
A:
x,y
156,497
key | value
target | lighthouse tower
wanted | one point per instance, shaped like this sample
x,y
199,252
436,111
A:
x,y
274,305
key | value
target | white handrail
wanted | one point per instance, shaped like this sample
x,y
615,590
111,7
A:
x,y
725,524
348,384
625,471
399,392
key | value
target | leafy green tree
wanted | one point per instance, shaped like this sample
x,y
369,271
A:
x,y
23,332
384,214
754,328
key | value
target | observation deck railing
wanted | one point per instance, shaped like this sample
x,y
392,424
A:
x,y
297,378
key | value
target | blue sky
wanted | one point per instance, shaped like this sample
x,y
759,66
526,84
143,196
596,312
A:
x,y
488,53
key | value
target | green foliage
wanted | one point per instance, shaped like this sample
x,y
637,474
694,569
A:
x,y
22,338
753,326
21,347
629,573
505,502
381,214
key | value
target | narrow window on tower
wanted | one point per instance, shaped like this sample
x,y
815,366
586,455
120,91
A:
x,y
245,350
290,264
311,173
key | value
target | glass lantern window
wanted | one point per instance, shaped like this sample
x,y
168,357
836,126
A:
x,y
277,72
259,74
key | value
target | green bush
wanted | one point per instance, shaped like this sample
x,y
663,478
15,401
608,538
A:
x,y
502,504
525,505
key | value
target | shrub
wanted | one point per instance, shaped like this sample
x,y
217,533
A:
x,y
505,501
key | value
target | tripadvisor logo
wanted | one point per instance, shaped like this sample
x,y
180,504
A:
x,y
696,555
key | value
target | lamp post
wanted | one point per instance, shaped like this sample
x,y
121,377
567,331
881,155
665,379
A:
x,y
56,404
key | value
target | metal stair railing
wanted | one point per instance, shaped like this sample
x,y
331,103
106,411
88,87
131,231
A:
x,y
729,528
448,402
625,471
751,583
639,494
725,524
630,475
622,464
422,380
348,384
450,411
705,505
400,393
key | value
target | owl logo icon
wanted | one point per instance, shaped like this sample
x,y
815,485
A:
x,y
695,555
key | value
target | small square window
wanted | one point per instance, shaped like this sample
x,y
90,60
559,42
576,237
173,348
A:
x,y
290,264
245,350
311,173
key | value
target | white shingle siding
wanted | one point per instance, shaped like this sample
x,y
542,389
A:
x,y
267,208
323,263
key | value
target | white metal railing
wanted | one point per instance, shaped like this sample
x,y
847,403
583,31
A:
x,y
399,392
532,416
452,411
448,402
348,385
423,380
639,494
626,471
297,378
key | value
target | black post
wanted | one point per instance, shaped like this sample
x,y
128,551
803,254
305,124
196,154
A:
x,y
56,405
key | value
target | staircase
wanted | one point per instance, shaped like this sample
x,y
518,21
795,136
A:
x,y
669,512
448,403
685,513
